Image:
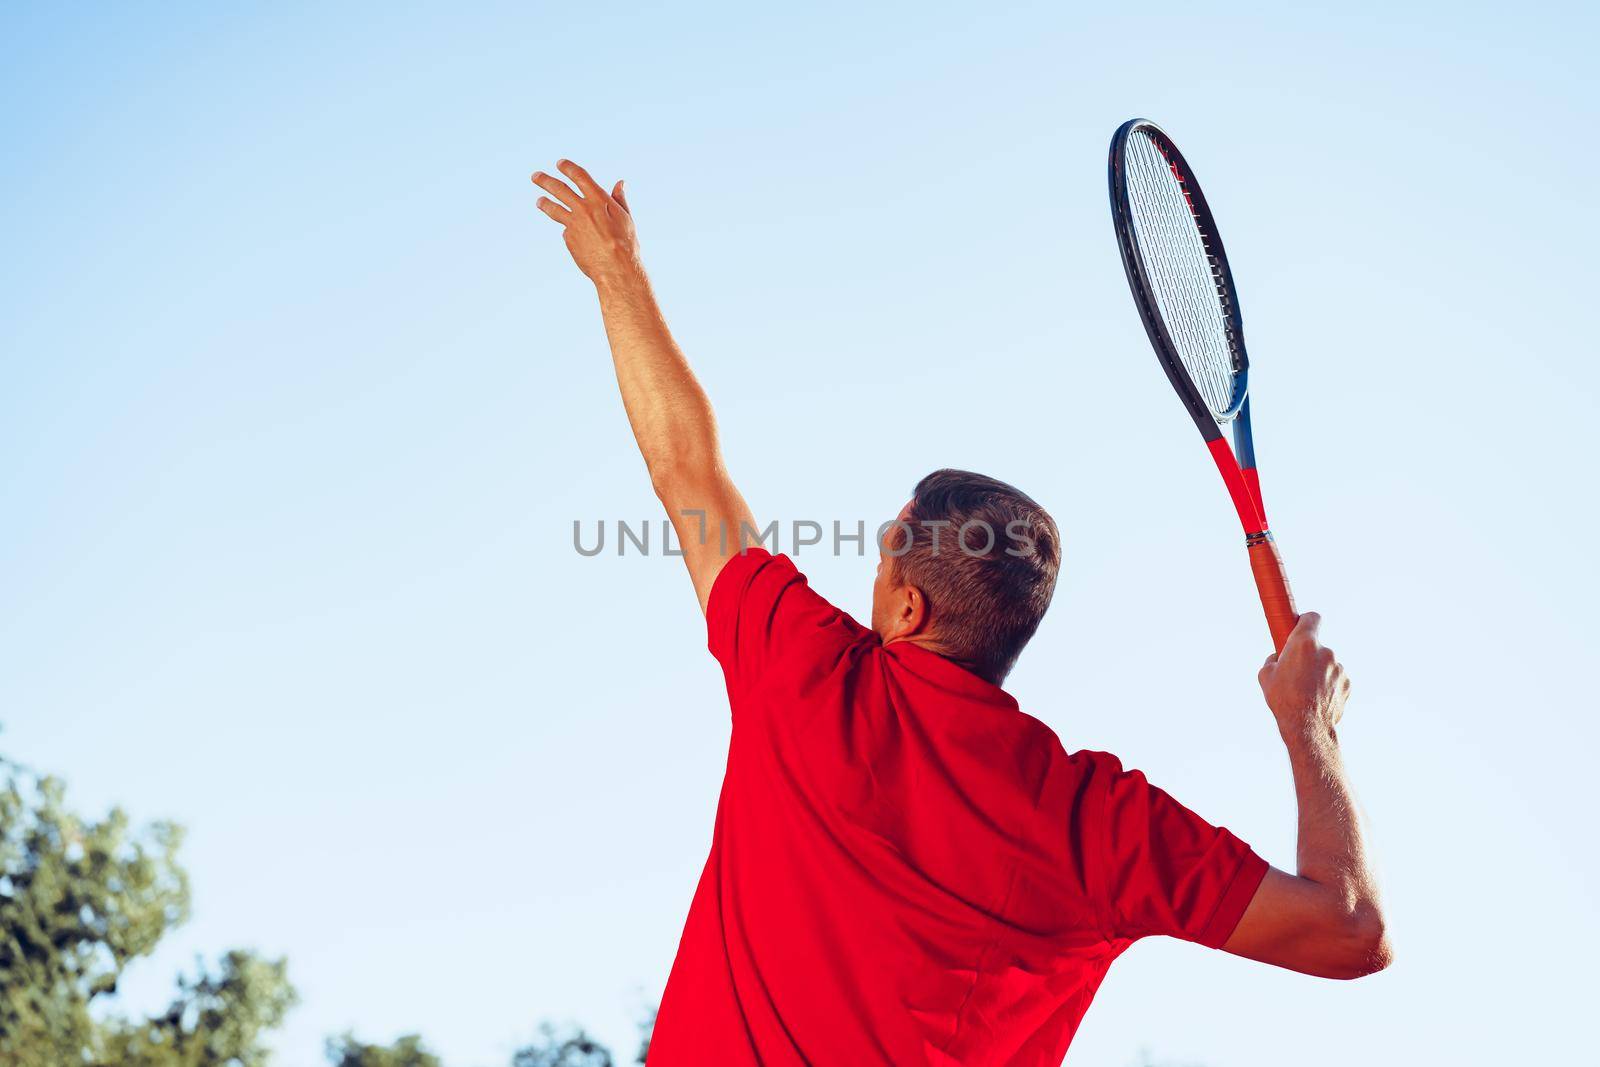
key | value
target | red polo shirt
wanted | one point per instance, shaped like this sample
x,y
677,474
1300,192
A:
x,y
907,869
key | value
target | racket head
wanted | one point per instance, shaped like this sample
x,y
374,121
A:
x,y
1178,270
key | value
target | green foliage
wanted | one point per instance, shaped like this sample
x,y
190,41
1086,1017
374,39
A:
x,y
557,1049
553,1048
79,901
346,1051
217,1019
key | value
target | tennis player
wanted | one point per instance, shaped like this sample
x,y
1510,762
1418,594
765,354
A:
x,y
906,868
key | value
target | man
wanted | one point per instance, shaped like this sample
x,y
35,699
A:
x,y
906,869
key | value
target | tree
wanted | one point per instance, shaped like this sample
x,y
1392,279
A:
x,y
346,1051
215,1019
557,1049
79,901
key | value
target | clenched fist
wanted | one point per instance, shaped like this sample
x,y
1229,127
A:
x,y
1305,685
598,227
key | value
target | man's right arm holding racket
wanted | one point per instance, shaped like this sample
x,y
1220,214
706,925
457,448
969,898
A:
x,y
1326,919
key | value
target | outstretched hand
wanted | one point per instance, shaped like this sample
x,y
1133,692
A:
x,y
597,226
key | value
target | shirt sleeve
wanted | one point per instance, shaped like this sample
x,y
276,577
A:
x,y
1163,869
761,610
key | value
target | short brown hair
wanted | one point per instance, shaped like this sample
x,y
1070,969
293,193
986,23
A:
x,y
985,556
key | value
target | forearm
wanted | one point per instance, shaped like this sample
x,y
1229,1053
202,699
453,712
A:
x,y
1330,850
669,412
1324,919
674,426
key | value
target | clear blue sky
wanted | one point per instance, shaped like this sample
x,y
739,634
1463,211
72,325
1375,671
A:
x,y
301,397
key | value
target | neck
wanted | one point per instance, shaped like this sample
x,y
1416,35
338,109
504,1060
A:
x,y
923,641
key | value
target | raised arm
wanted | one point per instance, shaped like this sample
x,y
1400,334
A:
x,y
671,417
1325,920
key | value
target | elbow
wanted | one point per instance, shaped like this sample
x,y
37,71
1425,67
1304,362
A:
x,y
1364,945
665,477
682,466
1378,950
688,474
681,475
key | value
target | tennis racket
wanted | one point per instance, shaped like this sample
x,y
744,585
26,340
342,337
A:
x,y
1184,291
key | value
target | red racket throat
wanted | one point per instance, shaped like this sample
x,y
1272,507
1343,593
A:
x,y
1266,565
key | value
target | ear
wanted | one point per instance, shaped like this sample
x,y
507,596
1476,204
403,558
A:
x,y
911,613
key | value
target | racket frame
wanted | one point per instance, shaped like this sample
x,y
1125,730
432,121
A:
x,y
1237,465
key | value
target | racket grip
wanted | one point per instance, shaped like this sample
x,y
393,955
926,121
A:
x,y
1273,585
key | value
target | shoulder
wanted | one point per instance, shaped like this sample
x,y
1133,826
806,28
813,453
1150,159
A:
x,y
748,568
754,585
761,609
1091,761
1086,782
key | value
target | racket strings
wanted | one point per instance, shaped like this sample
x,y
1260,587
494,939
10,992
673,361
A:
x,y
1185,279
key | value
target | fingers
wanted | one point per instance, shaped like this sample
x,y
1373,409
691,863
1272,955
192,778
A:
x,y
580,177
588,190
553,209
1305,630
558,189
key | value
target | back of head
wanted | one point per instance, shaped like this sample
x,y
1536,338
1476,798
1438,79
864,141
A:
x,y
985,556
